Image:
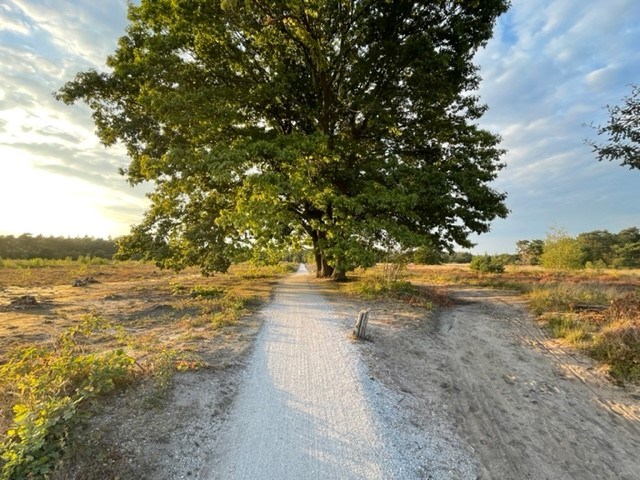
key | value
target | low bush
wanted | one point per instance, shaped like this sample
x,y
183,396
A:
x,y
486,264
47,388
572,329
618,343
565,297
251,271
373,288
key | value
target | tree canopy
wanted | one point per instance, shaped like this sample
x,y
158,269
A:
x,y
350,125
622,131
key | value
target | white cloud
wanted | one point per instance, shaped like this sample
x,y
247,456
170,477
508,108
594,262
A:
x,y
61,180
38,201
84,29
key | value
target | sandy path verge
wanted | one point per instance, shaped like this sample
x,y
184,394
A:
x,y
302,410
525,407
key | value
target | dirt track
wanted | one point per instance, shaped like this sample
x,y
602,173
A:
x,y
524,407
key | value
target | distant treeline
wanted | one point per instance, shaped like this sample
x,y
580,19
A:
x,y
597,249
27,246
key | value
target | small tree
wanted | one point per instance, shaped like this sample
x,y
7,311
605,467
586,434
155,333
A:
x,y
623,132
562,252
529,251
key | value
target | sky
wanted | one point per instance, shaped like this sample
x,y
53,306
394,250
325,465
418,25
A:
x,y
548,73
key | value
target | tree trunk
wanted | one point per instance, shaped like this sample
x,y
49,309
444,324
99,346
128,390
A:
x,y
327,270
339,275
318,256
323,269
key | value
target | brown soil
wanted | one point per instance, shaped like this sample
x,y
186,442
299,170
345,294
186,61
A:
x,y
157,311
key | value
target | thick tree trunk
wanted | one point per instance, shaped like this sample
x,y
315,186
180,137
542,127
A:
x,y
339,276
318,256
323,269
326,270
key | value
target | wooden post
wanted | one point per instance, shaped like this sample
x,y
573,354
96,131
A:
x,y
361,324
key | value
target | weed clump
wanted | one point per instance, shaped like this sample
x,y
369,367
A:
x,y
618,344
48,387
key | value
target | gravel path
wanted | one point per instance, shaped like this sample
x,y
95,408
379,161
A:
x,y
306,409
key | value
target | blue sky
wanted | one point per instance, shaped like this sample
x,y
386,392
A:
x,y
550,69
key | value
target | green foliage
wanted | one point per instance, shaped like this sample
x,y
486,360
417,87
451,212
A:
x,y
562,252
599,249
598,246
251,271
530,251
563,296
49,386
622,132
457,257
268,125
487,264
427,255
206,292
574,330
379,287
27,246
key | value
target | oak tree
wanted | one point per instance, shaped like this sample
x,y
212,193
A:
x,y
350,125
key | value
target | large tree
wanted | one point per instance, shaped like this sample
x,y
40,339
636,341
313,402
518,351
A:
x,y
622,131
348,124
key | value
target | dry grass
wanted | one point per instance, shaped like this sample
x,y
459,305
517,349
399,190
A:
x,y
597,311
383,282
171,320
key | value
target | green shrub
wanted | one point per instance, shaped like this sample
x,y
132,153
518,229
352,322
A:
x,y
562,252
574,330
206,292
486,264
48,386
563,297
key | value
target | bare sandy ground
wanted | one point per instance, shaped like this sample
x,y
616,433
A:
x,y
472,391
525,407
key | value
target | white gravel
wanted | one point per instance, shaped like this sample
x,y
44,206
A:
x,y
306,408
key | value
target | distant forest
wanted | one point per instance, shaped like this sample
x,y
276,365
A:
x,y
597,249
27,246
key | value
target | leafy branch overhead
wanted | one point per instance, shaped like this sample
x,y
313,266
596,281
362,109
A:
x,y
351,125
622,132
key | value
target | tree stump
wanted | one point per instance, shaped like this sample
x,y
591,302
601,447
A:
x,y
83,282
359,330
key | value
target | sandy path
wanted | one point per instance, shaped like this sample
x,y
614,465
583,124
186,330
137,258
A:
x,y
303,410
529,408
524,406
